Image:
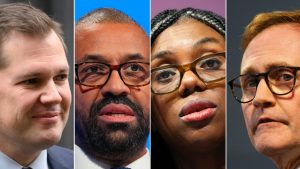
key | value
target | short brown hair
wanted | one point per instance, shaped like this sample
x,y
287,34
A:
x,y
23,18
265,20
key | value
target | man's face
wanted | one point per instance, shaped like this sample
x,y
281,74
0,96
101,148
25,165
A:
x,y
273,121
112,119
35,95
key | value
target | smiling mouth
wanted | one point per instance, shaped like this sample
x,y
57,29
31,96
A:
x,y
47,118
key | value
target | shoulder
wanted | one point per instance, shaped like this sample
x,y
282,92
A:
x,y
59,157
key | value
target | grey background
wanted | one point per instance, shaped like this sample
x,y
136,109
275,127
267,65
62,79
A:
x,y
240,153
62,12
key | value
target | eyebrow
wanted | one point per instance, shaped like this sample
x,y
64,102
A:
x,y
100,58
161,54
37,73
135,56
92,58
200,42
205,41
251,70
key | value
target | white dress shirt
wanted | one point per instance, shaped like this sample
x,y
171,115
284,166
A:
x,y
84,161
39,163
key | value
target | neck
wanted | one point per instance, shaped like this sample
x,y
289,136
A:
x,y
125,161
213,159
289,160
22,155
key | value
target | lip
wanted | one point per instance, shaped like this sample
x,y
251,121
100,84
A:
x,y
116,113
265,122
49,117
197,111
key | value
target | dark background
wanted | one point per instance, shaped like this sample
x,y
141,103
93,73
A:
x,y
240,152
61,11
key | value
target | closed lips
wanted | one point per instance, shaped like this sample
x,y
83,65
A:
x,y
197,112
46,115
112,109
196,107
267,119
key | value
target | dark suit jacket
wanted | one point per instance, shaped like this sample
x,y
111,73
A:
x,y
60,158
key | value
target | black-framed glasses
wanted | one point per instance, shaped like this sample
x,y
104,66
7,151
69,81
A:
x,y
280,81
209,68
96,74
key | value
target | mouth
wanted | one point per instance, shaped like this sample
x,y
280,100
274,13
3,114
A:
x,y
116,113
49,117
268,122
197,111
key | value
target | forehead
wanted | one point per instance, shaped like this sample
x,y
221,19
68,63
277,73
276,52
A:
x,y
276,45
111,40
21,51
184,34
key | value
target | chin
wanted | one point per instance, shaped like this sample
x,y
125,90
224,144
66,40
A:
x,y
48,139
271,146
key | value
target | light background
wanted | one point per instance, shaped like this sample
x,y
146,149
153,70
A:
x,y
62,12
217,6
240,153
137,10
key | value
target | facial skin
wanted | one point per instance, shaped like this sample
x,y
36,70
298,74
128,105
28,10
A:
x,y
35,96
178,45
278,139
115,44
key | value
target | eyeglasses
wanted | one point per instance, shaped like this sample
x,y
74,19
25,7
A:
x,y
280,80
96,74
208,68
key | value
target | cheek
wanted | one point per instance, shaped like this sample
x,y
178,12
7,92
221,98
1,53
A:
x,y
162,112
247,112
66,97
84,100
142,97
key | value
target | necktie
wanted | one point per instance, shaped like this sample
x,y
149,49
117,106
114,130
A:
x,y
26,168
120,168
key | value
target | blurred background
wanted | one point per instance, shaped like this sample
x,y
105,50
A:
x,y
240,152
62,12
137,10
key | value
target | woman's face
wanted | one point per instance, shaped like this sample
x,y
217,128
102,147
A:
x,y
189,117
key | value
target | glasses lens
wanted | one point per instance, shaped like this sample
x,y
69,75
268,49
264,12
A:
x,y
165,80
211,68
281,80
244,87
93,73
135,73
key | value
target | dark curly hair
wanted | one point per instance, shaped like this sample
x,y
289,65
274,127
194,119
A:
x,y
168,17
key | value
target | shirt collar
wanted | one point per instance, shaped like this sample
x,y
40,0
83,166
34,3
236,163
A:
x,y
142,162
82,160
39,163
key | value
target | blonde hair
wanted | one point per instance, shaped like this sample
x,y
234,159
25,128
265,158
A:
x,y
263,21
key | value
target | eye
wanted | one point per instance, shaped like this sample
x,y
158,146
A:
x,y
134,67
61,77
249,82
165,76
210,64
98,69
283,75
31,82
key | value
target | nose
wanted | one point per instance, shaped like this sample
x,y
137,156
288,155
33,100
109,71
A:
x,y
263,97
50,94
115,86
190,83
